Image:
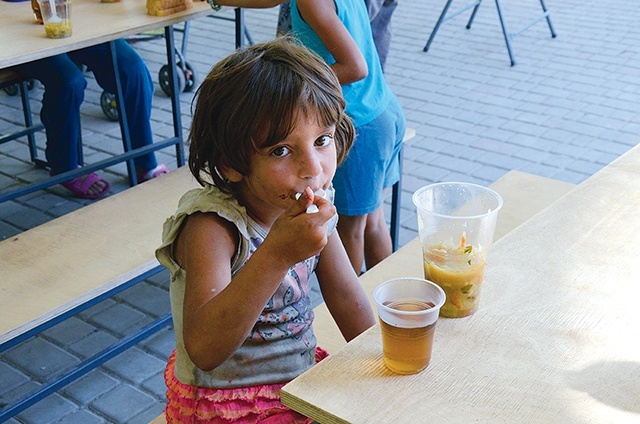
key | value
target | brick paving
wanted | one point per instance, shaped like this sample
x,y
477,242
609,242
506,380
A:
x,y
569,107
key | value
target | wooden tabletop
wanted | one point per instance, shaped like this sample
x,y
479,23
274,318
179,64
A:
x,y
58,265
556,337
93,23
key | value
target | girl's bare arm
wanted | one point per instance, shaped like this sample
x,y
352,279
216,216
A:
x,y
321,15
342,291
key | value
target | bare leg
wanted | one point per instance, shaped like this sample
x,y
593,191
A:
x,y
377,240
352,230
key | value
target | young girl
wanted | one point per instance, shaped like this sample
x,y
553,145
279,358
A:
x,y
339,31
268,132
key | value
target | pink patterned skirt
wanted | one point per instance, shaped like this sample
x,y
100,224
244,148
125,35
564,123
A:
x,y
244,405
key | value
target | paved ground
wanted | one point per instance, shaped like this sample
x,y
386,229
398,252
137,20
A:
x,y
569,107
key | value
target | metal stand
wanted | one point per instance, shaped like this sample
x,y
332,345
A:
x,y
396,192
13,83
74,373
508,36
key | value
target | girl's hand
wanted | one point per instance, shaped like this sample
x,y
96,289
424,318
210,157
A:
x,y
297,235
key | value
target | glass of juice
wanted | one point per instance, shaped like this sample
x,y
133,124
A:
x,y
456,224
408,310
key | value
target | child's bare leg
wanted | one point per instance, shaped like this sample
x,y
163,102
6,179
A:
x,y
351,230
377,240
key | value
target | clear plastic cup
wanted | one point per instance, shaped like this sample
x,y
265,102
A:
x,y
456,225
56,15
408,311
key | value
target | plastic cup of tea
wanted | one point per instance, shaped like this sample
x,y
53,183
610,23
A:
x,y
408,311
456,225
56,15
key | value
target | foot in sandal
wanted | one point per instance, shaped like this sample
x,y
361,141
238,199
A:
x,y
149,174
89,186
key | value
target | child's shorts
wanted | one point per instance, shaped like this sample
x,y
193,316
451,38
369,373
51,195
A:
x,y
244,405
372,163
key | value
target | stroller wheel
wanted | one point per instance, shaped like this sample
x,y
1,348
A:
x,y
165,82
109,105
190,78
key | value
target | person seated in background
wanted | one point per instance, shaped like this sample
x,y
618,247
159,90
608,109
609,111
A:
x,y
64,85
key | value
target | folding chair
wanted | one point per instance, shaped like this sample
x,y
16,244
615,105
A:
x,y
508,36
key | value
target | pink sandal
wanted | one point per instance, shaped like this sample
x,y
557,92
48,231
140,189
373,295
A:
x,y
145,175
81,186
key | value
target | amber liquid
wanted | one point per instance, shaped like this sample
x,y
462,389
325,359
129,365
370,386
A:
x,y
407,350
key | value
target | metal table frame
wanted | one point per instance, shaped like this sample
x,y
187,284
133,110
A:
x,y
508,36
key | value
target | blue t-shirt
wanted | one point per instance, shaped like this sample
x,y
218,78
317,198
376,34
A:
x,y
368,97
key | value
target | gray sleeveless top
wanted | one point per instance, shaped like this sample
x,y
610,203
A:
x,y
281,344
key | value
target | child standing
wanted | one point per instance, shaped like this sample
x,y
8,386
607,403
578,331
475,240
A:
x,y
268,132
339,31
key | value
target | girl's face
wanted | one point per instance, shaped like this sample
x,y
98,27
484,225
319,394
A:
x,y
306,158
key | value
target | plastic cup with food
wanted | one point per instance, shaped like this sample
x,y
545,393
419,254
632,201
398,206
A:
x,y
56,15
456,225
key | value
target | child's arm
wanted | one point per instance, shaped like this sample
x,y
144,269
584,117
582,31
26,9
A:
x,y
220,311
342,291
321,15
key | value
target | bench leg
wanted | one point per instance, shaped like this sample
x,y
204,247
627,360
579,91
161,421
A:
x,y
396,192
507,36
28,122
546,14
473,14
444,18
122,114
240,27
437,27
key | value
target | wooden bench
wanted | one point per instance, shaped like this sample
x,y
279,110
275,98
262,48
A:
x,y
524,195
62,267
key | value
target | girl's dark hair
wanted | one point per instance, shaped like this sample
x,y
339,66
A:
x,y
252,98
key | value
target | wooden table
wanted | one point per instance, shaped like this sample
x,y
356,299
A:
x,y
95,23
556,338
